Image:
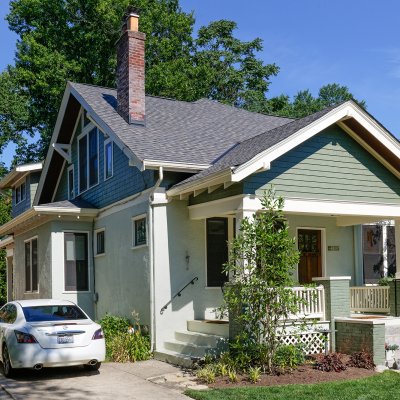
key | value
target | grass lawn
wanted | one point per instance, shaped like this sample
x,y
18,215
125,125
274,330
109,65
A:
x,y
385,386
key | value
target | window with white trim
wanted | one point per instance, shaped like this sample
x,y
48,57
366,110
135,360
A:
x,y
108,159
76,264
100,242
71,189
139,228
88,159
31,265
20,192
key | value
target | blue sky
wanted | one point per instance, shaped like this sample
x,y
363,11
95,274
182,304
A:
x,y
354,43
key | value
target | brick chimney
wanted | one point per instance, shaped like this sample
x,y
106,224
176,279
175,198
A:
x,y
130,70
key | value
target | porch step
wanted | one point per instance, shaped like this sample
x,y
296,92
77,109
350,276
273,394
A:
x,y
172,357
210,327
197,338
188,349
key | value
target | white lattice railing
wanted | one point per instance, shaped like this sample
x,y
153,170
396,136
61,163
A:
x,y
369,299
311,302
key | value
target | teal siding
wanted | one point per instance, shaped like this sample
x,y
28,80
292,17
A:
x,y
331,165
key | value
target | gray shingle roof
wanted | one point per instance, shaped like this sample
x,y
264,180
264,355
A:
x,y
249,148
199,132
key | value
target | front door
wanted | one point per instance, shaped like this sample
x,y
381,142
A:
x,y
309,245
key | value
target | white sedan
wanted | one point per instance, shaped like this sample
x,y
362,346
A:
x,y
48,333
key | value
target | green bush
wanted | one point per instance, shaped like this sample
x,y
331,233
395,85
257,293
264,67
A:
x,y
288,357
123,342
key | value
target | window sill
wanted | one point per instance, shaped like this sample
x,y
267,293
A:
x,y
141,246
99,255
76,291
212,287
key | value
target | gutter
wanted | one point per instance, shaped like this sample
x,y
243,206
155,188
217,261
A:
x,y
151,261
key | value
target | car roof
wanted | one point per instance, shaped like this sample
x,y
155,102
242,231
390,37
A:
x,y
43,302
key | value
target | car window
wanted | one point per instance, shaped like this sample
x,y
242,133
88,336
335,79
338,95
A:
x,y
8,314
52,313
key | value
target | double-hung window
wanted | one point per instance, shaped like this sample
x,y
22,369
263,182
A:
x,y
108,159
100,242
88,152
31,265
20,193
76,271
71,183
139,228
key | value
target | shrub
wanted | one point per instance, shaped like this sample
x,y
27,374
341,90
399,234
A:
x,y
206,374
330,362
232,376
361,359
123,343
254,374
288,357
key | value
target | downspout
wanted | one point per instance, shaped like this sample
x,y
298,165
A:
x,y
151,256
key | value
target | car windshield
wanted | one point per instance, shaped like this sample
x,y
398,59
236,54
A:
x,y
52,313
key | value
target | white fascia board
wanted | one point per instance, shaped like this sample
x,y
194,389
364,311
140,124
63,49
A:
x,y
19,172
334,208
218,178
174,166
344,111
54,137
85,212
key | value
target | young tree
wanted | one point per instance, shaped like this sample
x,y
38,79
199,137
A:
x,y
258,296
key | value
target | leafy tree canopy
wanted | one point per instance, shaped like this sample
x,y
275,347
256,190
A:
x,y
62,40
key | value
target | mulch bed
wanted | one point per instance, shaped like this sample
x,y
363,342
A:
x,y
306,374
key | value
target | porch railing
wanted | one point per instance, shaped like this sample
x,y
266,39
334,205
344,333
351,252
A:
x,y
311,302
369,299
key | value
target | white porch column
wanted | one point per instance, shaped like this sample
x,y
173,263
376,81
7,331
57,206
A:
x,y
397,242
243,211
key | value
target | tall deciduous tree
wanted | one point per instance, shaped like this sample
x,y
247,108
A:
x,y
64,40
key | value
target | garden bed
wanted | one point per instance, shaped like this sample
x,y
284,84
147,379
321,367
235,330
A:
x,y
305,374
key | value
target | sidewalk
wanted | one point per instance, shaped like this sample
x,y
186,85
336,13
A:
x,y
151,379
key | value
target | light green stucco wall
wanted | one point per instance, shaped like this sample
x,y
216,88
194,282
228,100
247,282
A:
x,y
330,165
43,233
337,263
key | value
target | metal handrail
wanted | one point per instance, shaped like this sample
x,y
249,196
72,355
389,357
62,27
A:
x,y
178,294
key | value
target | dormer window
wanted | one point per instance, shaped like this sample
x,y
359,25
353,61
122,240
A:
x,y
88,152
20,193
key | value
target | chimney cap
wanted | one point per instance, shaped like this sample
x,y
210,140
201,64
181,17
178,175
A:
x,y
131,10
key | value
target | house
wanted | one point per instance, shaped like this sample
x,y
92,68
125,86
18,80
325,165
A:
x,y
139,195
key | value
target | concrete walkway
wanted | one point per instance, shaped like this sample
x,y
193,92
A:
x,y
141,380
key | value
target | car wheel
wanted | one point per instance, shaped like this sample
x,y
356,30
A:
x,y
7,368
93,367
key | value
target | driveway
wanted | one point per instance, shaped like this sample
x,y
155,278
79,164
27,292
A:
x,y
141,380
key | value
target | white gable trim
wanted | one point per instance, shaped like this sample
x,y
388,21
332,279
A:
x,y
342,112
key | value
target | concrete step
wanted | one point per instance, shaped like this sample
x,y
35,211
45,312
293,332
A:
x,y
174,358
201,339
188,349
210,327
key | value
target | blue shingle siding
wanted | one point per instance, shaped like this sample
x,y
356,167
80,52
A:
x,y
331,165
31,183
126,180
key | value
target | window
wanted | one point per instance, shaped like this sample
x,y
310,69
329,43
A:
x,y
379,252
76,261
20,193
31,265
88,151
108,159
71,192
217,251
100,243
139,231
